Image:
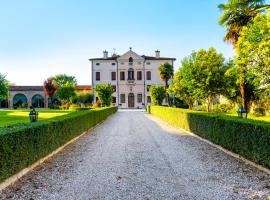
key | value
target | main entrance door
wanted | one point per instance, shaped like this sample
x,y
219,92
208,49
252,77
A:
x,y
131,100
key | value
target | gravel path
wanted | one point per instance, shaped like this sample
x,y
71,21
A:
x,y
136,156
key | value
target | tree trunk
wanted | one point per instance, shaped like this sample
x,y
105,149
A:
x,y
243,89
167,95
190,103
209,104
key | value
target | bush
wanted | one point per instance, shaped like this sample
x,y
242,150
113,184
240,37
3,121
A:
x,y
222,108
104,92
24,144
246,137
157,93
74,107
200,108
259,112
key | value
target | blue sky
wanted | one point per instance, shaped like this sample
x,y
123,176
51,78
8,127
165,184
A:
x,y
41,38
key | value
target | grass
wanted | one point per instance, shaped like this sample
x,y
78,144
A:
x,y
12,117
253,117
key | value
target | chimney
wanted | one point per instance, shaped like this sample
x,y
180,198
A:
x,y
157,54
105,54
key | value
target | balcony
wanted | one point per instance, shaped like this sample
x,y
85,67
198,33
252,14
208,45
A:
x,y
131,81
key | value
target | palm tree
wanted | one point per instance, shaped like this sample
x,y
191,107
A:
x,y
166,73
49,87
236,15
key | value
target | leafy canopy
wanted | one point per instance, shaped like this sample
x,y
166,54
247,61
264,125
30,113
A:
x,y
104,92
165,72
237,14
4,84
157,93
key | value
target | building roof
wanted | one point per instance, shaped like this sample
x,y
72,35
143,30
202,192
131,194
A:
x,y
114,57
25,88
157,58
40,88
84,87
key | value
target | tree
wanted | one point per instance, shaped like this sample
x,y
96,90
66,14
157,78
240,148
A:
x,y
63,79
4,90
166,73
66,87
84,97
236,15
181,87
253,48
157,93
104,92
66,93
201,77
49,87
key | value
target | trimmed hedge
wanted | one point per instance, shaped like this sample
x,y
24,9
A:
x,y
246,137
24,144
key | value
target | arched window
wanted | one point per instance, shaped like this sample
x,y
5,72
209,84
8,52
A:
x,y
38,101
20,101
130,60
130,74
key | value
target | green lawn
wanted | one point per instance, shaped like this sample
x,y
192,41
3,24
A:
x,y
251,116
12,117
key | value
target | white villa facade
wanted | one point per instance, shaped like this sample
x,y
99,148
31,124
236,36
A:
x,y
130,74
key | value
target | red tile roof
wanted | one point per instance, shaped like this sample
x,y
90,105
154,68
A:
x,y
40,88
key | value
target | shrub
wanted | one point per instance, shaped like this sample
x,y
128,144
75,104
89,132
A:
x,y
246,137
222,108
157,93
24,144
74,107
201,108
259,112
104,92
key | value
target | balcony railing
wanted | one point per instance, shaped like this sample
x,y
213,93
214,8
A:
x,y
131,81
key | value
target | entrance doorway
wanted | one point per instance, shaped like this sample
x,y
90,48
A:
x,y
131,100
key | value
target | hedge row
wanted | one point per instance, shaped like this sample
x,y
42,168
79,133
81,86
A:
x,y
246,137
23,145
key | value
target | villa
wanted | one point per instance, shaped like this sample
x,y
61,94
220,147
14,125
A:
x,y
130,74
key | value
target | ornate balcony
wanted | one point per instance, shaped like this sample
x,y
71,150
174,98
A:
x,y
131,81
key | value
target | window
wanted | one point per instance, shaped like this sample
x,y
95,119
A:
x,y
139,75
113,63
122,76
130,60
148,88
113,76
148,63
139,63
97,76
113,99
148,99
114,88
97,64
123,98
139,98
122,63
130,74
148,75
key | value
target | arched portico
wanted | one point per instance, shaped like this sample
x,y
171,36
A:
x,y
20,101
38,101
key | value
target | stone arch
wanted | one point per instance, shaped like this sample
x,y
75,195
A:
x,y
20,101
38,101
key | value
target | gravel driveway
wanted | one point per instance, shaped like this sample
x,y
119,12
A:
x,y
136,156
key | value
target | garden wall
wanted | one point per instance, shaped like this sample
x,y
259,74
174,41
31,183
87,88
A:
x,y
23,145
246,137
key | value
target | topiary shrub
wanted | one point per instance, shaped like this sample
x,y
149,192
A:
x,y
259,112
246,137
24,144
